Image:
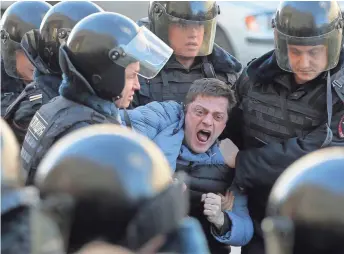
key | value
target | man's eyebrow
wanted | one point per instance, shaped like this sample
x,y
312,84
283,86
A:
x,y
199,105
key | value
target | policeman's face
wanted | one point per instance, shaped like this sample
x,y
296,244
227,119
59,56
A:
x,y
131,85
24,67
205,120
307,62
186,40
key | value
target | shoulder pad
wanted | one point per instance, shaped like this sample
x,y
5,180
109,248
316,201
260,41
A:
x,y
251,61
338,83
243,83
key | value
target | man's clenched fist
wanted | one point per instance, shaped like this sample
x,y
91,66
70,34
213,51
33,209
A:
x,y
212,209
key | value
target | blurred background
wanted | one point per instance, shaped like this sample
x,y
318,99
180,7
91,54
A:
x,y
244,27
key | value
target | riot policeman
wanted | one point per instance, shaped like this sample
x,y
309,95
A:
x,y
100,62
306,204
189,28
290,101
16,69
24,227
42,48
120,184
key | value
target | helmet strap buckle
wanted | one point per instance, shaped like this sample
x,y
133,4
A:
x,y
63,34
4,36
340,24
116,53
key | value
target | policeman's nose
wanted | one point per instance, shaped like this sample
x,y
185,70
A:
x,y
137,85
192,31
304,61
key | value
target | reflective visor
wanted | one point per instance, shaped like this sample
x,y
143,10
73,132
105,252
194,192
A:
x,y
188,38
9,50
30,43
308,55
147,49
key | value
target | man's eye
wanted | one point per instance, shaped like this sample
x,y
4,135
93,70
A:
x,y
199,112
218,117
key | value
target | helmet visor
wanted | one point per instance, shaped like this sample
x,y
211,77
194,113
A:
x,y
30,43
147,49
15,61
188,38
308,55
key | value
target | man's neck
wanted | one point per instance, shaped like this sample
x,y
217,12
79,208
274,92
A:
x,y
185,61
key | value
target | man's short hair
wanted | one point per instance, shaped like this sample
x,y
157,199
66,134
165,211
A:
x,y
211,87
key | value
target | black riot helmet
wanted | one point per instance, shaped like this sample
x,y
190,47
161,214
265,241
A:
x,y
306,204
19,206
119,182
10,166
42,47
19,18
308,23
101,46
164,14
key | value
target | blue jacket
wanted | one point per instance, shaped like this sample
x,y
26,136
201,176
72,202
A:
x,y
163,122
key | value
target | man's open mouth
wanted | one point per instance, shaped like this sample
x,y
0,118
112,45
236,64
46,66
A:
x,y
203,135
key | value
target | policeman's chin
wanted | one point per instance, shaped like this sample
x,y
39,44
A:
x,y
303,77
188,53
122,104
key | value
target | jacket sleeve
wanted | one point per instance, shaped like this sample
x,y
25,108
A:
x,y
152,118
241,230
23,116
262,166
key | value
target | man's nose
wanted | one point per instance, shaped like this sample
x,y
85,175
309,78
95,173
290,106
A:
x,y
208,119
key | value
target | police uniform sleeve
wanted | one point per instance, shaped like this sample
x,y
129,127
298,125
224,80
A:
x,y
233,129
6,101
73,128
262,166
23,116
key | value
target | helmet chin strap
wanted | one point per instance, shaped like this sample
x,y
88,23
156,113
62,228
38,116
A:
x,y
329,134
117,98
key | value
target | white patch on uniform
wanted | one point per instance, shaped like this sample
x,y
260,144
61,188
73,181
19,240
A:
x,y
37,125
35,97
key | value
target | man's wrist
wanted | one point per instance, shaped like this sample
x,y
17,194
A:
x,y
220,221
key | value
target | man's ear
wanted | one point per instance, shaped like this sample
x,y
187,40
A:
x,y
185,107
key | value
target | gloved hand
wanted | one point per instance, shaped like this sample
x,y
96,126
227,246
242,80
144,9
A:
x,y
229,152
176,180
212,209
227,201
